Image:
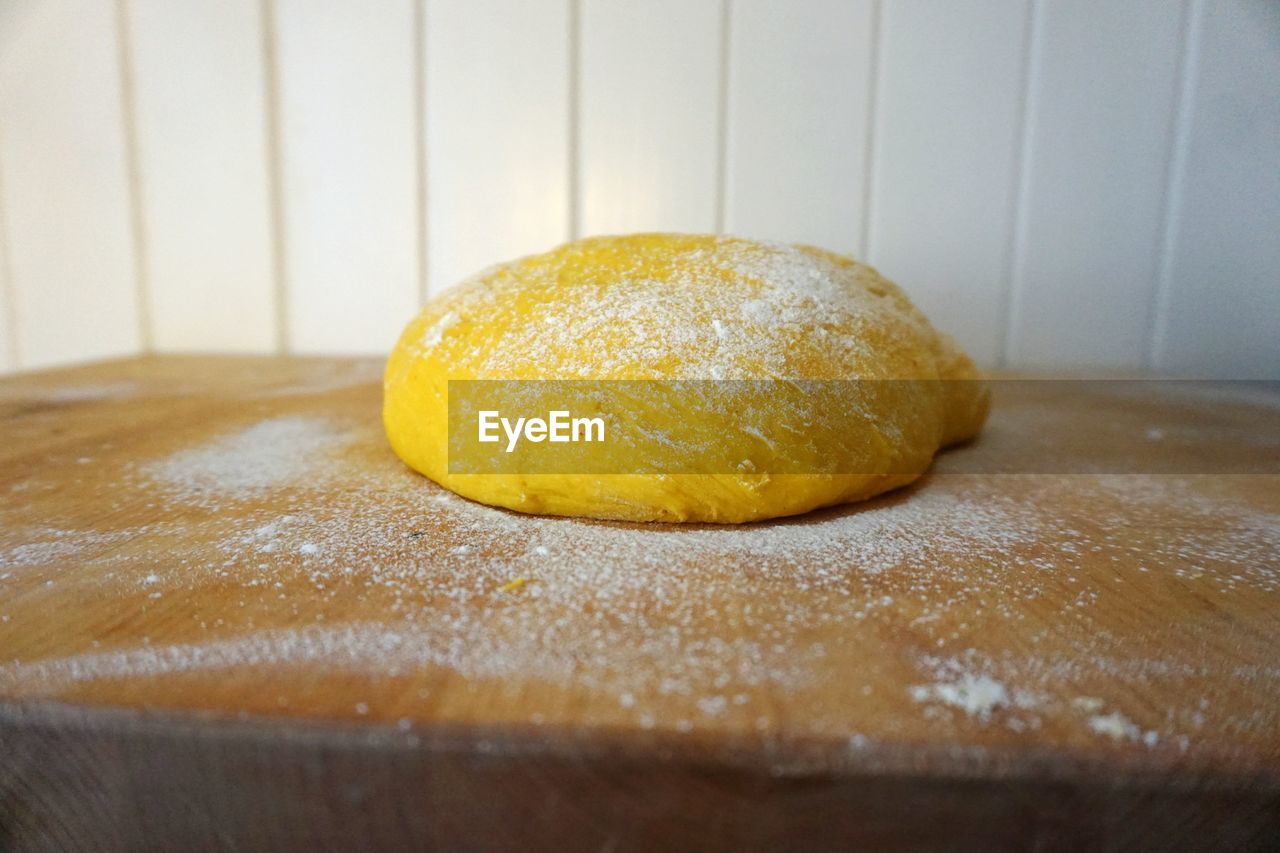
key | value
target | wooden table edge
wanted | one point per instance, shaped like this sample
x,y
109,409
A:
x,y
788,756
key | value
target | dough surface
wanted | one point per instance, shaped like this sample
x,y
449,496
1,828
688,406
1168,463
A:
x,y
677,306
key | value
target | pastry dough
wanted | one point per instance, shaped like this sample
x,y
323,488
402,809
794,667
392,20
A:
x,y
675,307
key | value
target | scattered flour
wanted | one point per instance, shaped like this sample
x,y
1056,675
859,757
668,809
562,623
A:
x,y
435,334
799,295
272,453
1115,726
636,612
43,546
976,695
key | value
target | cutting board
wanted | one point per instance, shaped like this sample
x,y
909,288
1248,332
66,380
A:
x,y
228,613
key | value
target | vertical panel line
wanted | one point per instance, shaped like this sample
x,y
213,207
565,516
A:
x,y
420,139
133,175
1175,172
275,172
574,152
1020,186
873,120
722,116
8,287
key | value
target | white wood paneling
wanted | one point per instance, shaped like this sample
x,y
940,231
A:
x,y
1102,100
8,321
799,101
1221,305
66,190
497,132
201,129
945,162
350,172
1059,183
649,85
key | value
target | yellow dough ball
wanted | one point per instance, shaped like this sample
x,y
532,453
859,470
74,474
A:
x,y
801,320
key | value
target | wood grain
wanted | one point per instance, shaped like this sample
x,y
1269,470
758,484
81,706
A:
x,y
274,657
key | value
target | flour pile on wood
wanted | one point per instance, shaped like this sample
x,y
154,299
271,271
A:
x,y
275,452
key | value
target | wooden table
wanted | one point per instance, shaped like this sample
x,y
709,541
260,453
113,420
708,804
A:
x,y
229,618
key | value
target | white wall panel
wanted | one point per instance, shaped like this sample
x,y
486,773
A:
x,y
649,98
8,321
199,95
1102,100
945,159
799,93
350,173
66,190
497,134
1222,277
1060,183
